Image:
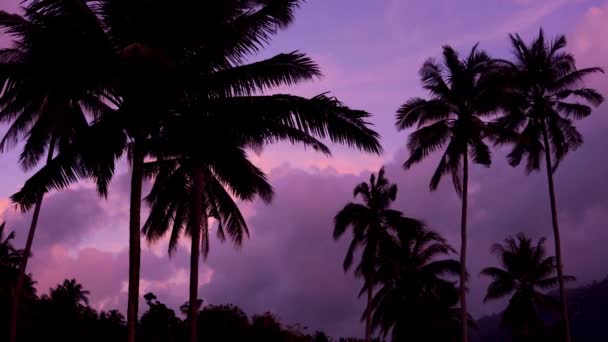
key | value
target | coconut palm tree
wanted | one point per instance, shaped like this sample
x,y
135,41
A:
x,y
48,88
373,223
190,190
462,93
416,302
525,272
545,88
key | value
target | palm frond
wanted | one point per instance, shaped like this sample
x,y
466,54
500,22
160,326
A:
x,y
281,70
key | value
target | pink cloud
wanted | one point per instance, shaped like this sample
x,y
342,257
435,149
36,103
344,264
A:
x,y
589,42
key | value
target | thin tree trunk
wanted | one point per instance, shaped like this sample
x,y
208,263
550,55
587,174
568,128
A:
x,y
558,248
134,239
463,250
196,221
26,255
368,323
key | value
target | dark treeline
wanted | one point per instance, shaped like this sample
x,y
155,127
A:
x,y
64,314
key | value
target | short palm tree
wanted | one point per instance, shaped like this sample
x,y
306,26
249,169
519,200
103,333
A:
x,y
373,223
416,302
546,82
525,272
48,88
463,92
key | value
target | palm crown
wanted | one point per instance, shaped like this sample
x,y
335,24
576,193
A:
x,y
545,85
49,85
371,221
70,294
525,272
462,93
170,200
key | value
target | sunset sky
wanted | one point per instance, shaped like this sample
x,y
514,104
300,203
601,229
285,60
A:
x,y
370,53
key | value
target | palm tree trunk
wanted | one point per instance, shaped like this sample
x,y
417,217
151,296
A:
x,y
26,254
368,323
195,228
558,248
134,239
463,250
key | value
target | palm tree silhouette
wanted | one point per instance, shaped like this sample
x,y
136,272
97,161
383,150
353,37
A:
x,y
541,113
524,273
372,222
415,301
186,193
463,92
48,88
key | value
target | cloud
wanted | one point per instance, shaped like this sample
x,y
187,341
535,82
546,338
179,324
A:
x,y
65,217
589,43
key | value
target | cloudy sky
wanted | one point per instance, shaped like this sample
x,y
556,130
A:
x,y
370,52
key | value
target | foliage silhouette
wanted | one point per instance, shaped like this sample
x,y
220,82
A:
x,y
524,273
65,315
416,302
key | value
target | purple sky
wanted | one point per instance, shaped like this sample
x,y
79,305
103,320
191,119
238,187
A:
x,y
370,53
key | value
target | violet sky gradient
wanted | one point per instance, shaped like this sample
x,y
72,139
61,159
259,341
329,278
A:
x,y
370,52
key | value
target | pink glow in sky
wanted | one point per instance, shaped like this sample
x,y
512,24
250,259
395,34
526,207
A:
x,y
370,52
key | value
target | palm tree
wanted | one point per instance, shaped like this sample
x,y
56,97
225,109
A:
x,y
462,93
546,81
372,222
46,79
416,302
524,273
190,190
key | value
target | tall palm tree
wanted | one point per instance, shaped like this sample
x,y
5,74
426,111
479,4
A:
x,y
48,88
525,272
159,67
416,302
190,190
546,82
373,223
462,92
